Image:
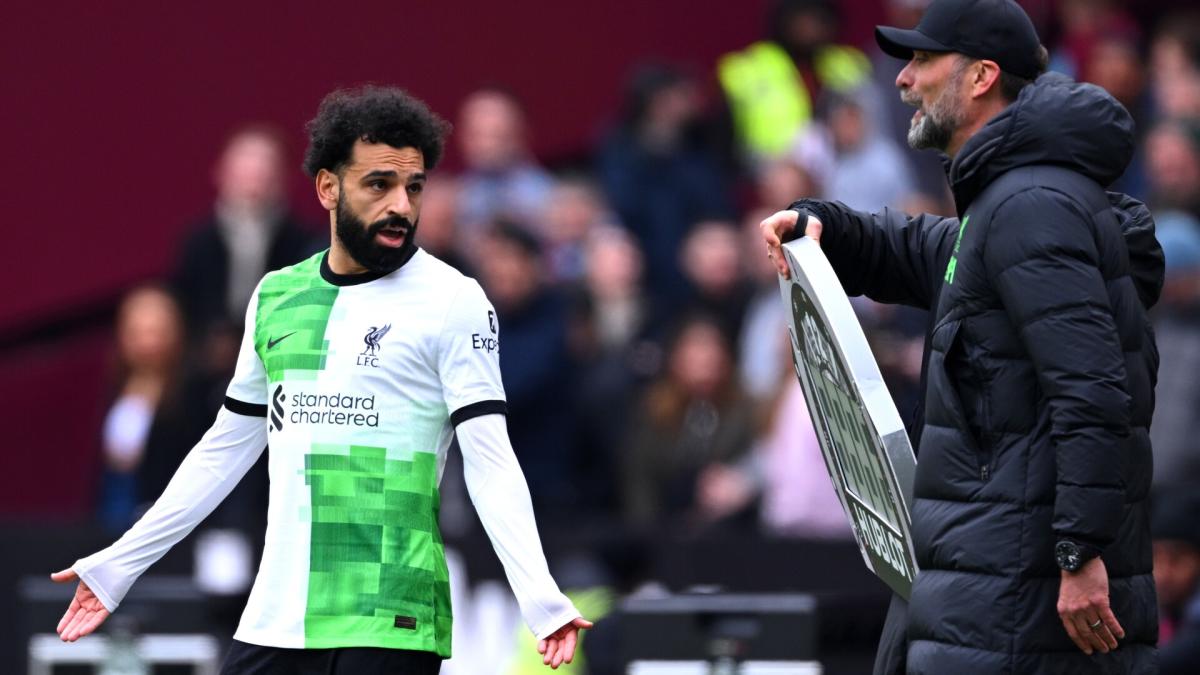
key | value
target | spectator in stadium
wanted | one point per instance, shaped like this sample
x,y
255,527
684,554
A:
x,y
772,86
1173,151
616,346
785,470
692,417
501,178
1034,454
712,260
250,231
868,171
575,208
141,437
1177,578
659,174
1175,66
439,230
535,363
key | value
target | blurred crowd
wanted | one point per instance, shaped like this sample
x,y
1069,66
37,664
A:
x,y
643,344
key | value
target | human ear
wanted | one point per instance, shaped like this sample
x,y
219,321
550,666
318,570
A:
x,y
328,187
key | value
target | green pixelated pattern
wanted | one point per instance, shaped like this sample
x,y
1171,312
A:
x,y
376,552
293,312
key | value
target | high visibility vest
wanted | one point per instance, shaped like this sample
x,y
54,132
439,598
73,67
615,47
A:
x,y
767,96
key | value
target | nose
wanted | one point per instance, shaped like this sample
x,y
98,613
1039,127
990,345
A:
x,y
401,205
905,79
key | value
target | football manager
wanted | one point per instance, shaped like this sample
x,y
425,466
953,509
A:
x,y
1029,505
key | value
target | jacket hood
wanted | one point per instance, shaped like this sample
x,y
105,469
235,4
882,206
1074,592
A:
x,y
1146,262
1054,121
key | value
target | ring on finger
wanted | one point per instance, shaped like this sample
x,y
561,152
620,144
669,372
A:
x,y
1096,626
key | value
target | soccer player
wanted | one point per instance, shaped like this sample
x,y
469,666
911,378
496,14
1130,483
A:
x,y
357,367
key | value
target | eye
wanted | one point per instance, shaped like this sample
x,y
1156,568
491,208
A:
x,y
416,188
378,185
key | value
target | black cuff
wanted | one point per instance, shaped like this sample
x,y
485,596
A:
x,y
807,207
477,410
248,409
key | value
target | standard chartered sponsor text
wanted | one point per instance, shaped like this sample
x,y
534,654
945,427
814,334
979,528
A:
x,y
339,409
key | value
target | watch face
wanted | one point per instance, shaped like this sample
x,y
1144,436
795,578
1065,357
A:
x,y
1067,556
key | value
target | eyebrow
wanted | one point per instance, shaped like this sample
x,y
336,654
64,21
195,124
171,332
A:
x,y
389,173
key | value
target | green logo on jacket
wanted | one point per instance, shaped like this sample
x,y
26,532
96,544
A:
x,y
950,267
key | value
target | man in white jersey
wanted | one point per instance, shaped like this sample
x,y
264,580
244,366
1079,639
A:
x,y
357,367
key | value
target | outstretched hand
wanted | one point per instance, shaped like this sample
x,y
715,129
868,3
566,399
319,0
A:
x,y
86,612
775,228
559,647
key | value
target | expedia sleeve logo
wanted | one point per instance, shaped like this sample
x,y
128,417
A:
x,y
335,409
487,343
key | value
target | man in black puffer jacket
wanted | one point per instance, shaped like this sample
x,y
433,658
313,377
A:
x,y
1029,514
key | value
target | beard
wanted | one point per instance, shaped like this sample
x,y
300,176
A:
x,y
358,238
938,122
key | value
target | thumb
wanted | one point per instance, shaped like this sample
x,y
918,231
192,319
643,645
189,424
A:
x,y
580,622
813,228
64,576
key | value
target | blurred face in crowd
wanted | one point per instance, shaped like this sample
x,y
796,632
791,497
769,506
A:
x,y
613,264
1174,167
249,175
781,181
573,208
377,202
439,215
511,275
847,126
700,361
806,30
712,257
491,132
1115,66
149,330
1176,572
936,84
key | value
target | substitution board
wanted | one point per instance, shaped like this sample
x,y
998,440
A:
x,y
862,437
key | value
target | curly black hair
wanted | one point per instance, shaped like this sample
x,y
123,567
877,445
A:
x,y
376,115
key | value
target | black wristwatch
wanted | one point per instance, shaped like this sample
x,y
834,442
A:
x,y
1070,556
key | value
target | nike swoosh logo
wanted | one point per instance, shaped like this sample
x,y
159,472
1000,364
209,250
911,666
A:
x,y
271,343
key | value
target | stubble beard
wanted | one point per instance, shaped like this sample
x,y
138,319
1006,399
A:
x,y
938,123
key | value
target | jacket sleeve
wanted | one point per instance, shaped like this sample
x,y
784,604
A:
x,y
887,256
1040,254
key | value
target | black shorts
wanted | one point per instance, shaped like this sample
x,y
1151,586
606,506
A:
x,y
247,659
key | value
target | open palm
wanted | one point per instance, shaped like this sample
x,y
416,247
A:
x,y
86,612
559,647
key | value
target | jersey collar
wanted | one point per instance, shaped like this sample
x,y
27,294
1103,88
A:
x,y
363,277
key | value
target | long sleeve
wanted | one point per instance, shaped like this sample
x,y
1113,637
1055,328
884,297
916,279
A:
x,y
1045,265
501,498
887,256
204,478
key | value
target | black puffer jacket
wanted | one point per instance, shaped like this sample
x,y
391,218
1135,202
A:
x,y
1040,383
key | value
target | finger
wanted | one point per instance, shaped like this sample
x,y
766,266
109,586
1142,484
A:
x,y
1074,634
558,655
541,646
1106,637
1110,620
581,622
1084,628
813,229
66,617
72,625
93,622
64,576
569,646
551,647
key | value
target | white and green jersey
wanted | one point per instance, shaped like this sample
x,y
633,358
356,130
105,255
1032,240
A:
x,y
357,384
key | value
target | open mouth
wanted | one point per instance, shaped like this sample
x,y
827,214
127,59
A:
x,y
392,236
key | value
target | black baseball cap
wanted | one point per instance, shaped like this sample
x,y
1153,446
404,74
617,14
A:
x,y
996,30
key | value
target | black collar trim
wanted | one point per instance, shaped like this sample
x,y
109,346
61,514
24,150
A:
x,y
361,278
